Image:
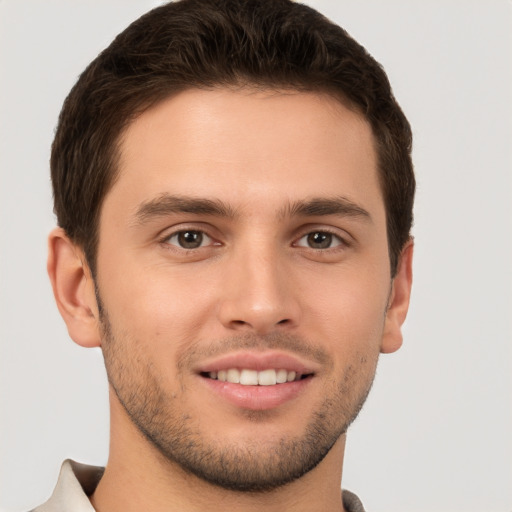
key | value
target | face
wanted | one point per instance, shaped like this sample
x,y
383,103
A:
x,y
244,279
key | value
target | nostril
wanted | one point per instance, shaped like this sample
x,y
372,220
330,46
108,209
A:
x,y
284,321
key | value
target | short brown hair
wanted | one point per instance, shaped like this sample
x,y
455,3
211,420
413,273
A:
x,y
211,43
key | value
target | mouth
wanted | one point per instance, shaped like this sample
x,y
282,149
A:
x,y
256,380
250,377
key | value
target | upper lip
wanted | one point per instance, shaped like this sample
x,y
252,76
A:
x,y
259,361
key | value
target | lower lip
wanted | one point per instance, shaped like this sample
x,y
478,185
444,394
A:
x,y
257,398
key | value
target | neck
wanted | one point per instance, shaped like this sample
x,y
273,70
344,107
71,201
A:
x,y
140,478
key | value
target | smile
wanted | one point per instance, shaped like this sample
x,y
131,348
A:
x,y
257,380
248,377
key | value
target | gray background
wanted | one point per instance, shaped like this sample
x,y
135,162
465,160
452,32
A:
x,y
436,433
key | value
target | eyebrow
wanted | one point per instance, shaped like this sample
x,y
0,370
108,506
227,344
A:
x,y
168,204
317,207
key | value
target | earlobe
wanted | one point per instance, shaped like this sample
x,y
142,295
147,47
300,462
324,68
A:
x,y
398,302
73,289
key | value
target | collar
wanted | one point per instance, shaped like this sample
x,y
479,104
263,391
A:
x,y
78,481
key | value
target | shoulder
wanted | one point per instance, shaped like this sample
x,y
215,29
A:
x,y
351,502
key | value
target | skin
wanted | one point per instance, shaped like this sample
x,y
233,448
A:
x,y
256,284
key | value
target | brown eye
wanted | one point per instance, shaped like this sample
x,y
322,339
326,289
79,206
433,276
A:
x,y
319,240
189,239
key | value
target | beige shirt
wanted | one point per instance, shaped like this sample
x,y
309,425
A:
x,y
78,481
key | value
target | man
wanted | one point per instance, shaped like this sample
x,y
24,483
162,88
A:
x,y
234,189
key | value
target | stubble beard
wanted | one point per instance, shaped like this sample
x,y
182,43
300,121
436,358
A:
x,y
248,468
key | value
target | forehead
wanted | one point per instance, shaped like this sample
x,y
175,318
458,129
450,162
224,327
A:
x,y
279,145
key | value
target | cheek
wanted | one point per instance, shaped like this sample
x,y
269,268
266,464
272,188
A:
x,y
146,293
162,313
350,313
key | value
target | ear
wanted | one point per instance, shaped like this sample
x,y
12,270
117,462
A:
x,y
73,288
398,303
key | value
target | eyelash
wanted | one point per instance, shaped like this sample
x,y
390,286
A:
x,y
167,239
340,242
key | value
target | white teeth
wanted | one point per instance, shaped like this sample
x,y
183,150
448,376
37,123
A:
x,y
233,376
281,376
267,378
249,377
246,377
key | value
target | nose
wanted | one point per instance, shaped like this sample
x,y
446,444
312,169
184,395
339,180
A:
x,y
259,293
